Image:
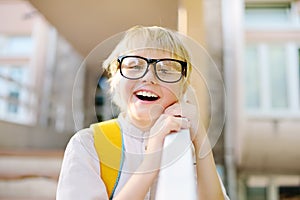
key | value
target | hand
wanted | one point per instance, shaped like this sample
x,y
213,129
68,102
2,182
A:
x,y
189,112
164,125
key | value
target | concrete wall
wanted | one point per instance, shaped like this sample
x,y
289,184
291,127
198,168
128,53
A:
x,y
16,136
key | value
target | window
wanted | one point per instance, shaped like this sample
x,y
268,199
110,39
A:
x,y
278,76
273,14
271,77
15,96
289,192
12,46
256,193
252,77
14,105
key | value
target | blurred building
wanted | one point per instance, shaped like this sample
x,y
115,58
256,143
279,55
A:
x,y
37,70
262,78
50,85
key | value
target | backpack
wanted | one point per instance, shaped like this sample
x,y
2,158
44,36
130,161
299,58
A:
x,y
109,146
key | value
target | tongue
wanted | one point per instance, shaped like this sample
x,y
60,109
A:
x,y
145,98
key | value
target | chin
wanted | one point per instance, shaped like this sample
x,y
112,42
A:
x,y
151,112
146,116
143,118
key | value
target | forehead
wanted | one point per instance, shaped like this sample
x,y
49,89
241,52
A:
x,y
153,53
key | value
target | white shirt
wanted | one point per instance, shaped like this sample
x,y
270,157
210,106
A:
x,y
80,177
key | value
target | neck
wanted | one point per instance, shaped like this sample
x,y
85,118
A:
x,y
142,124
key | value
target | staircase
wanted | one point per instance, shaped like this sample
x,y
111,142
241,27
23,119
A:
x,y
30,161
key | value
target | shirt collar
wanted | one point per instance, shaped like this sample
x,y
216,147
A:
x,y
130,130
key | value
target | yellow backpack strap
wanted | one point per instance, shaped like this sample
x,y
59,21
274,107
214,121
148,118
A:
x,y
108,143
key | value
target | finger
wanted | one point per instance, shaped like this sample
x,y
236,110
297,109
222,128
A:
x,y
181,110
185,123
181,123
175,110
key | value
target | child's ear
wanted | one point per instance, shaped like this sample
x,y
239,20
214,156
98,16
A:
x,y
184,96
189,94
186,90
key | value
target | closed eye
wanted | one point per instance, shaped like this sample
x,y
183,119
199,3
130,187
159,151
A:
x,y
134,67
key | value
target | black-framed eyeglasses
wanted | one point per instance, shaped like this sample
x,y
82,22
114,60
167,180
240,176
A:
x,y
166,70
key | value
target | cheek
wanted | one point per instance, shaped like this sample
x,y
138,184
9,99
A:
x,y
172,95
121,91
177,90
126,89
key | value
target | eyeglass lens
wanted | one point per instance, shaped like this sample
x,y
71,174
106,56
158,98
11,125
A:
x,y
166,70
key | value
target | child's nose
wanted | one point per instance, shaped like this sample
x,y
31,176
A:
x,y
150,74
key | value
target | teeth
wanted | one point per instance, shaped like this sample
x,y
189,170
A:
x,y
146,94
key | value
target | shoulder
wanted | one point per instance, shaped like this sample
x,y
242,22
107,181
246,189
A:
x,y
82,137
82,142
80,172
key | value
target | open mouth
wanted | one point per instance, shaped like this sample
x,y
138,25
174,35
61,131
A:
x,y
146,96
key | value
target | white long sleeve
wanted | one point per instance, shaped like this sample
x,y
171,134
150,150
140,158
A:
x,y
80,177
80,174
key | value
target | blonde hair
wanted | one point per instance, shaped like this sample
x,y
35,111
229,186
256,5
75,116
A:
x,y
141,37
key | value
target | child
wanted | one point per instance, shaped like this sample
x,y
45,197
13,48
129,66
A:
x,y
150,73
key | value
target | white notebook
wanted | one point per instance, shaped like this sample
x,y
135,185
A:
x,y
176,179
